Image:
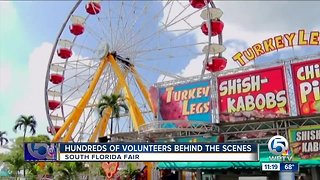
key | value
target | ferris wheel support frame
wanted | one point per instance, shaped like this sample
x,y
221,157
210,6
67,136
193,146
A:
x,y
102,125
135,113
143,89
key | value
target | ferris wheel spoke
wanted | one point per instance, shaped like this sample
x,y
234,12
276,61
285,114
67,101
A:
x,y
71,67
104,34
84,47
172,47
155,17
145,67
185,32
94,34
86,126
173,22
74,90
77,90
95,94
77,60
138,17
139,60
169,13
135,33
162,29
129,33
110,25
118,28
179,14
77,74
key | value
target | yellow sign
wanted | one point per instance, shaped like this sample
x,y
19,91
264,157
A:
x,y
301,38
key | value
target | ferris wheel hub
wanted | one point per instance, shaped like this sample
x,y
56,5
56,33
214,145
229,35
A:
x,y
103,49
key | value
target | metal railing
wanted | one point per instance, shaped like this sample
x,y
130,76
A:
x,y
175,125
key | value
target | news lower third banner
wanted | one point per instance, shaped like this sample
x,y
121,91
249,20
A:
x,y
144,152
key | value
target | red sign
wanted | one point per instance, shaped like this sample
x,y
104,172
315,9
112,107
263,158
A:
x,y
306,79
110,168
253,95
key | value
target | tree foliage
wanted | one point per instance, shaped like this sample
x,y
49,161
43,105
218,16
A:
x,y
25,122
115,102
130,172
3,139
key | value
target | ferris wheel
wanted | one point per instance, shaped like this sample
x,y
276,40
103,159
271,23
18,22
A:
x,y
124,47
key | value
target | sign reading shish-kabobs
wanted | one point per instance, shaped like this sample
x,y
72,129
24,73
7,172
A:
x,y
306,79
253,95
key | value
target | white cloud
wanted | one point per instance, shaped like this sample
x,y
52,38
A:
x,y
270,16
33,102
5,77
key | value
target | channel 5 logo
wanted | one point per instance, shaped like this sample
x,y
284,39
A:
x,y
40,152
278,145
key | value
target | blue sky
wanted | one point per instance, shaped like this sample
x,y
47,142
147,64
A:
x,y
28,30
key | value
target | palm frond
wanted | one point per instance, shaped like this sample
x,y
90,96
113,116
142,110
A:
x,y
26,121
102,104
32,130
16,126
124,106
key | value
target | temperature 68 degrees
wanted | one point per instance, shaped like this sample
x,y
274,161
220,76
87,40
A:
x,y
289,166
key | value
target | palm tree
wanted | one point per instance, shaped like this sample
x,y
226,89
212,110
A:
x,y
130,172
25,122
49,169
34,171
3,140
115,102
69,170
16,162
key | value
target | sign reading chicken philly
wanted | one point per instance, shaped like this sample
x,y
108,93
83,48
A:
x,y
306,78
252,95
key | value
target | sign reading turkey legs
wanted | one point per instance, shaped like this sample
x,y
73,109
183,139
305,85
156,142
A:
x,y
186,102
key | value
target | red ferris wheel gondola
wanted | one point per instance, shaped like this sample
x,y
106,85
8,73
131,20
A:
x,y
198,4
93,8
216,27
64,51
77,26
56,128
56,78
53,104
216,64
